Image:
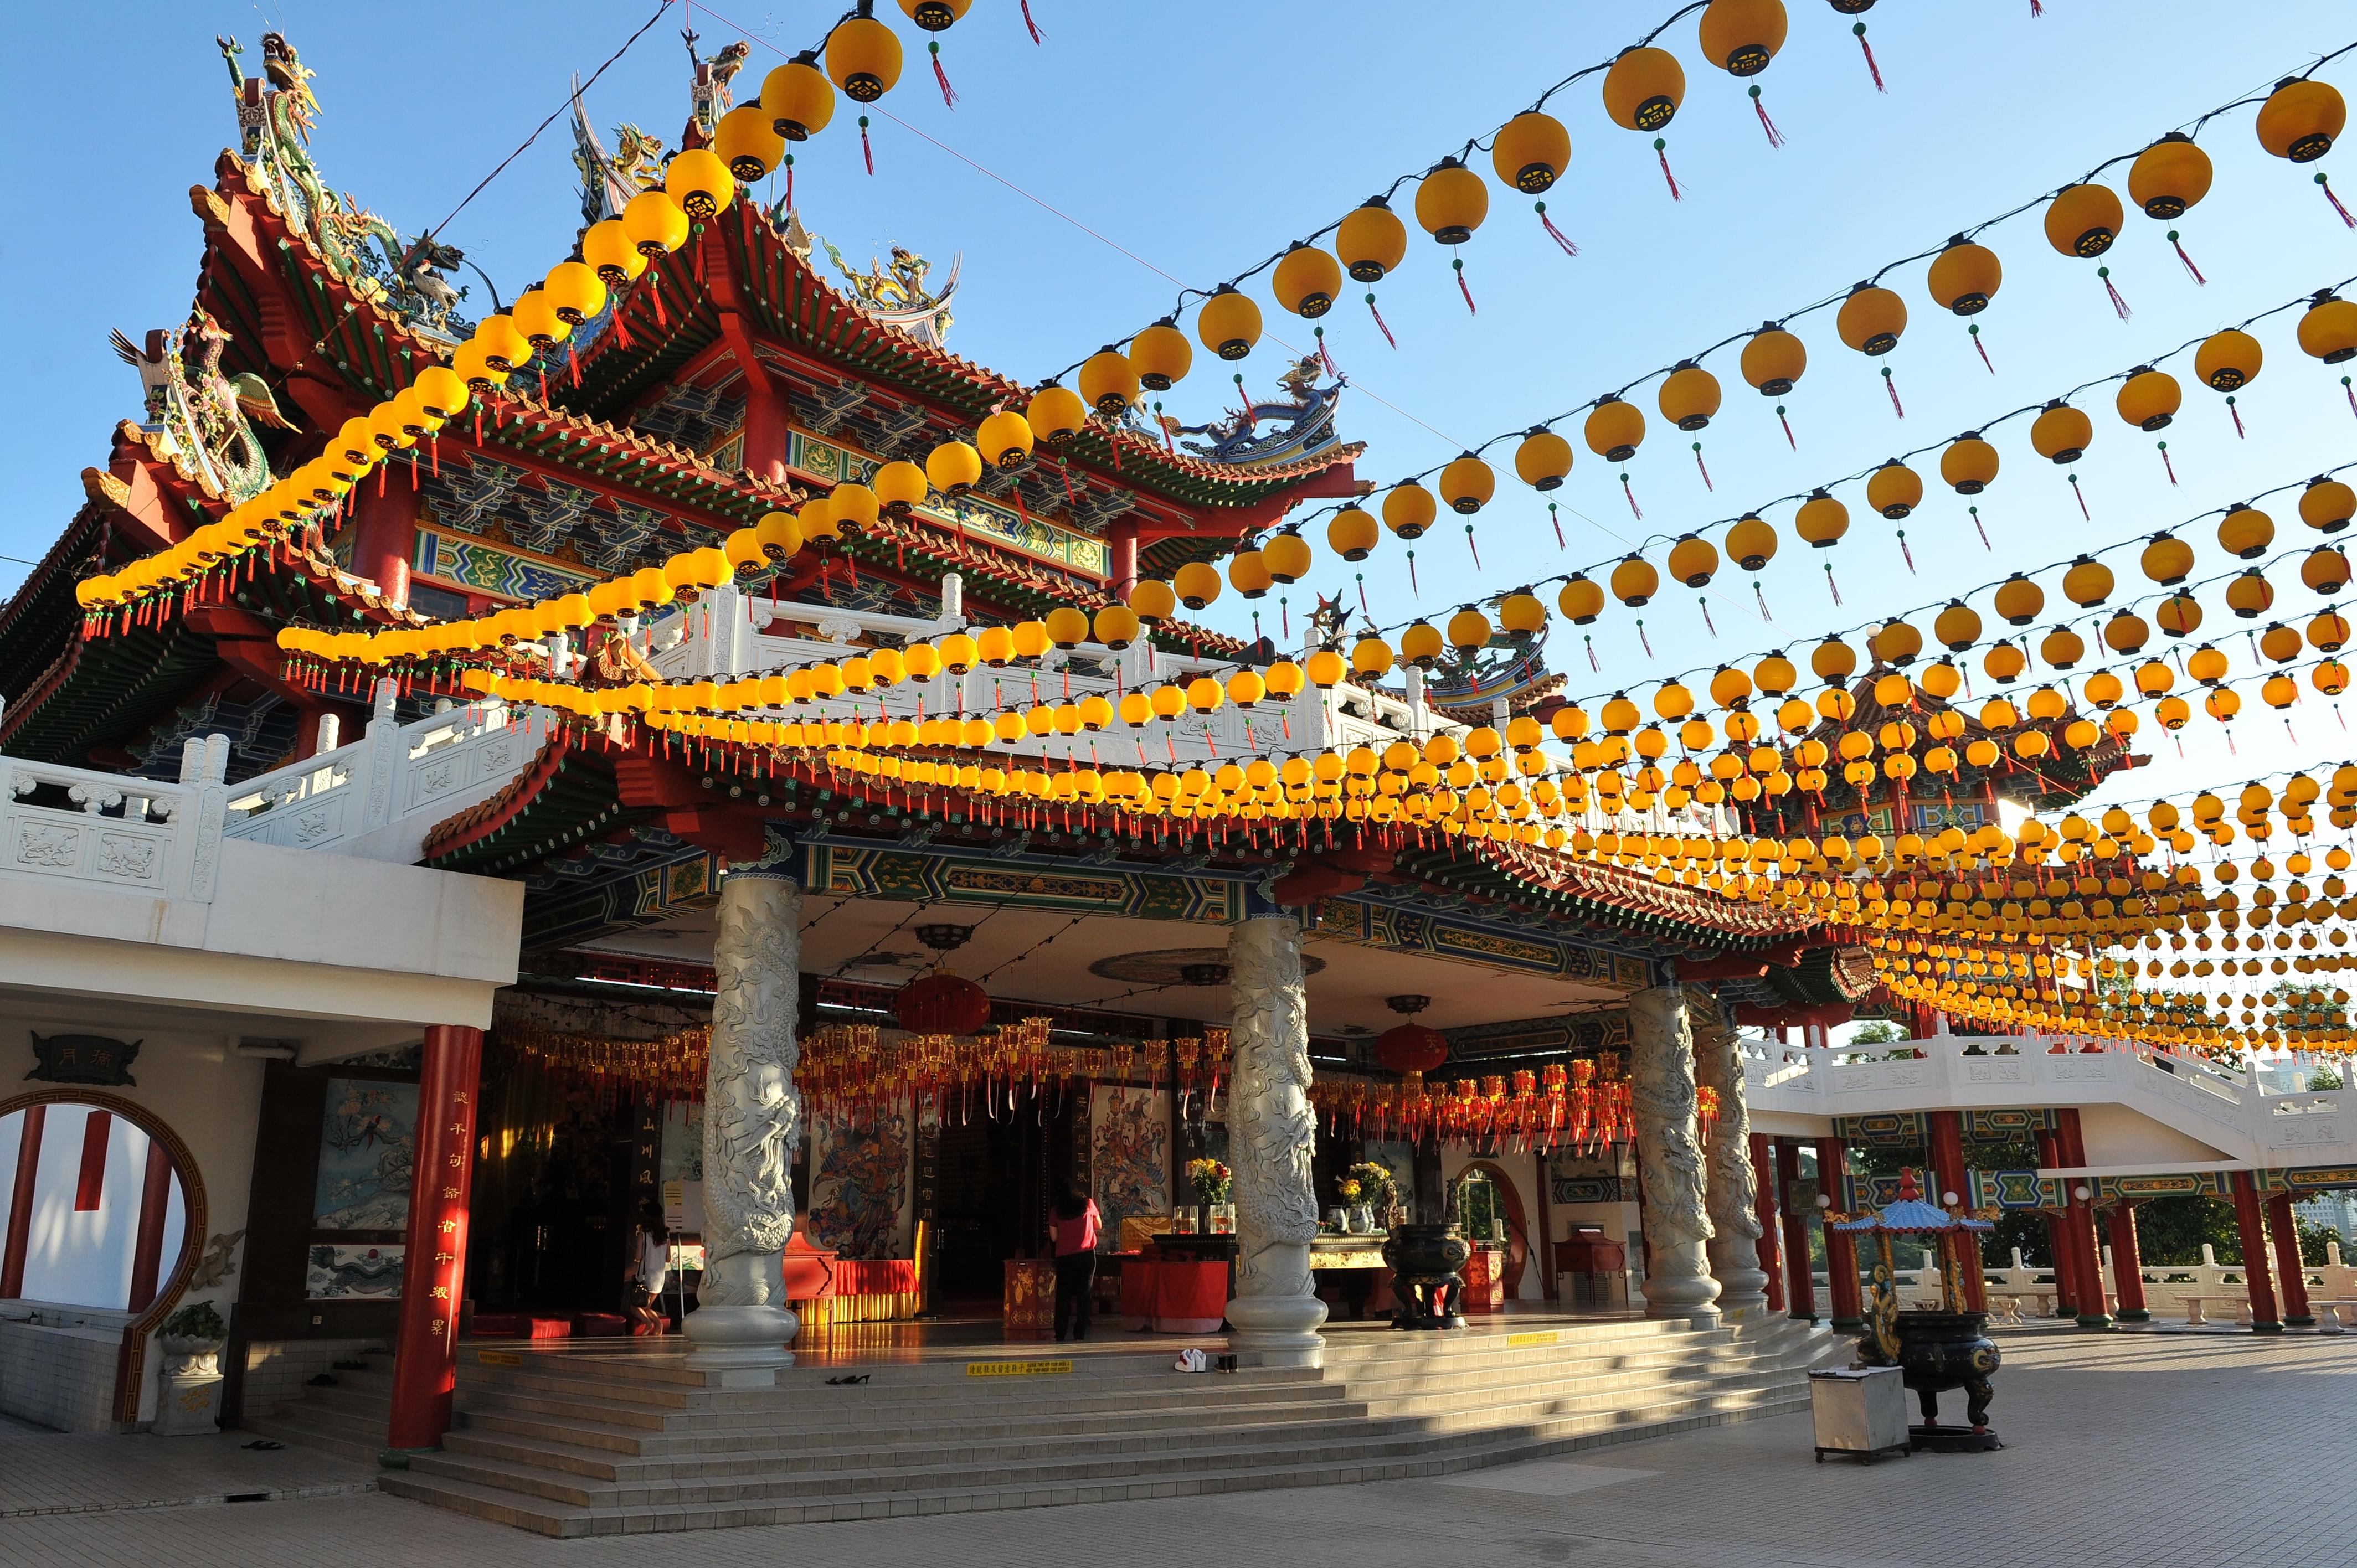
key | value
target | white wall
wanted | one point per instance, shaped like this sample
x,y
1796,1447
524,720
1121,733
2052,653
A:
x,y
192,1082
85,1256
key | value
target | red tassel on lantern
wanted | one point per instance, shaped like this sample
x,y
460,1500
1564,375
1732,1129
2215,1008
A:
x,y
2325,186
1379,321
1661,151
1872,70
2119,305
1470,307
949,95
1559,236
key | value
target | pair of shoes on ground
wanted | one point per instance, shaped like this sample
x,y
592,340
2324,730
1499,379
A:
x,y
848,1381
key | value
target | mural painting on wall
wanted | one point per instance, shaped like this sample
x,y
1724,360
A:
x,y
859,1186
1129,1155
353,1273
366,1142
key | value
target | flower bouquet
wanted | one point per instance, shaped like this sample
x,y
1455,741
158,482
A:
x,y
1211,1180
1372,1183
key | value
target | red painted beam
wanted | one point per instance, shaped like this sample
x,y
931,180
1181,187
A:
x,y
154,1204
20,1202
90,1187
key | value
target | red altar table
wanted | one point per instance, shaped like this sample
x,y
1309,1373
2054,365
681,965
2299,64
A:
x,y
1173,1296
878,1290
1485,1280
1030,1309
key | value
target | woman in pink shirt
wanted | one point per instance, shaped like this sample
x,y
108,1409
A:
x,y
1076,1260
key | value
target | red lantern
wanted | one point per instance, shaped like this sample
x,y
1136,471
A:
x,y
942,1004
1412,1048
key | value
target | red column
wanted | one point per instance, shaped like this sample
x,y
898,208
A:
x,y
2127,1265
1841,1247
155,1202
2263,1319
2094,1312
2287,1261
1763,1179
2058,1236
1948,1176
387,539
1120,565
434,1272
1801,1289
20,1202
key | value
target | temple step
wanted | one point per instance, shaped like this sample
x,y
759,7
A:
x,y
1155,1476
934,1442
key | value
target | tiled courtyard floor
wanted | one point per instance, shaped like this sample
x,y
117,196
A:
x,y
2154,1451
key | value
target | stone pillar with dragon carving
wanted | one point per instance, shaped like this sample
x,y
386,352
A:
x,y
1271,1133
1670,1157
741,1330
1731,1189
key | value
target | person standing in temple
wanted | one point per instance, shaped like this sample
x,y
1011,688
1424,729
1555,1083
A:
x,y
1076,1260
650,1272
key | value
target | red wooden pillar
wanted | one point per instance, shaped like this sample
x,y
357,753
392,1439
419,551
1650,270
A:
x,y
387,540
1801,1289
2264,1318
2094,1312
2287,1261
434,1273
1120,565
1841,1247
2127,1265
1948,1176
20,1202
1763,1182
2058,1236
155,1202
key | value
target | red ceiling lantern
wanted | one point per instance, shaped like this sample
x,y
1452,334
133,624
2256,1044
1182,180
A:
x,y
942,1004
1412,1048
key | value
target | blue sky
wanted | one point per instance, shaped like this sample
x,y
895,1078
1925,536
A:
x,y
1191,142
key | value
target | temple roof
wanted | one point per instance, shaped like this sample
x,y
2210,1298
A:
x,y
806,315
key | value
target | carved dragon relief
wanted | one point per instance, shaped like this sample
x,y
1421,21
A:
x,y
275,112
1662,1090
206,418
1273,1127
753,1112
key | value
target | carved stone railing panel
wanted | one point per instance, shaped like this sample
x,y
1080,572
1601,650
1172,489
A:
x,y
78,826
2219,1105
423,771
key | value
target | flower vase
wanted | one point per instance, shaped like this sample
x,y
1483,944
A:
x,y
1223,1218
1363,1220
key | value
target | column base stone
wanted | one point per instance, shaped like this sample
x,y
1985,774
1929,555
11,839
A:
x,y
740,1347
1278,1330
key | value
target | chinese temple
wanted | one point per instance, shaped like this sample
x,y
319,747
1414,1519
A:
x,y
454,992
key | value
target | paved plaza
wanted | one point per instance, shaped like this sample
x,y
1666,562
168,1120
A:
x,y
2125,1451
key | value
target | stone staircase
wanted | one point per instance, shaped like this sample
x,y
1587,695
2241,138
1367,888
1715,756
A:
x,y
348,1417
572,1445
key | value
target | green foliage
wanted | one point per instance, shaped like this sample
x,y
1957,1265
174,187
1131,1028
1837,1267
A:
x,y
198,1320
2325,1078
1876,1032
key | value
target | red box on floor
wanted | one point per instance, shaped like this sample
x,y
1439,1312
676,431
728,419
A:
x,y
546,1328
599,1325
